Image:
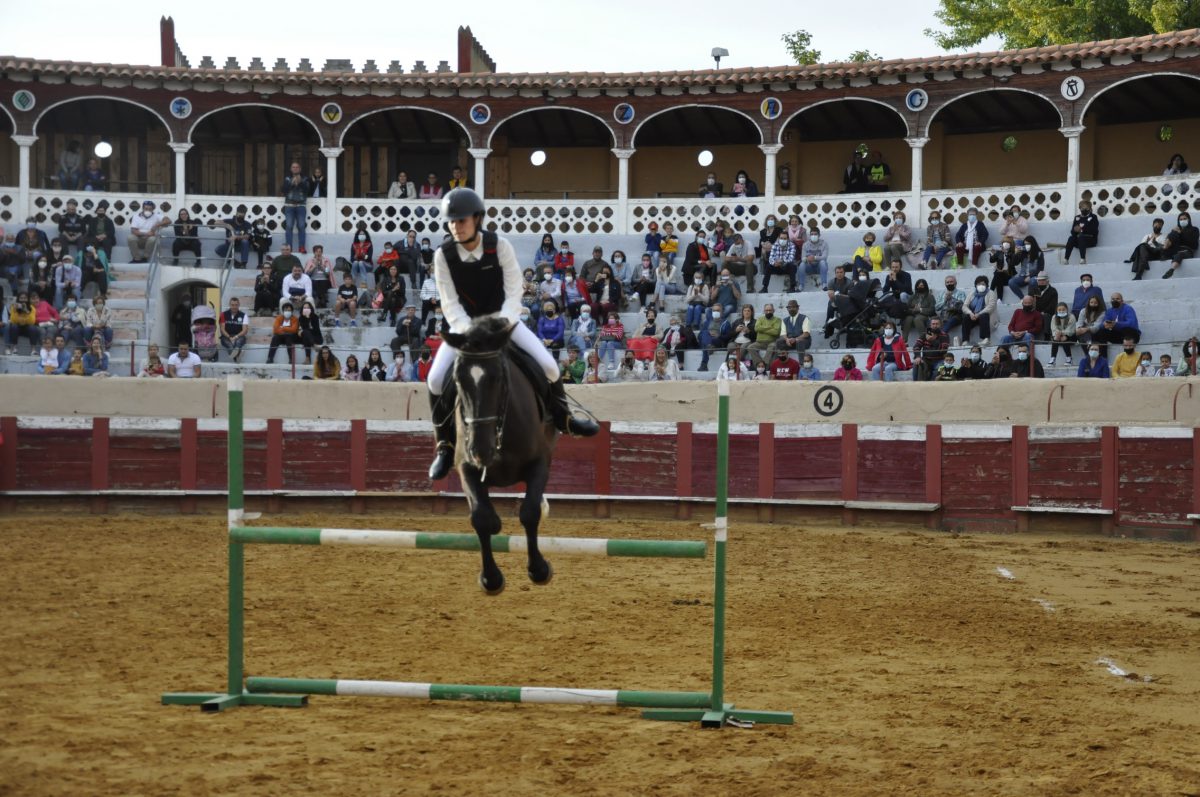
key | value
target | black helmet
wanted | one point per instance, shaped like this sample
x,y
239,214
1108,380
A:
x,y
461,203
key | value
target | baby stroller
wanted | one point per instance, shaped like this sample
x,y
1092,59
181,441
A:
x,y
859,327
204,332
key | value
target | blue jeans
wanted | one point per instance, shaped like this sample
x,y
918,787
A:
x,y
294,216
695,315
242,255
1018,282
885,372
362,269
939,256
821,267
610,350
662,288
1008,340
105,333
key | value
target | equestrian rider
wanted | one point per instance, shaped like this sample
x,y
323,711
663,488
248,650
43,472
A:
x,y
477,274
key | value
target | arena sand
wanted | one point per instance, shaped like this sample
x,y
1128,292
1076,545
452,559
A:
x,y
912,664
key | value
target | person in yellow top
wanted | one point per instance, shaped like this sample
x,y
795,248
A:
x,y
669,245
457,180
327,366
869,254
22,320
1126,363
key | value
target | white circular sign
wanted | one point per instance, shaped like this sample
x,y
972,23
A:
x,y
1071,88
181,107
916,100
480,113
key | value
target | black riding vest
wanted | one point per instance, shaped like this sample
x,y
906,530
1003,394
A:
x,y
480,285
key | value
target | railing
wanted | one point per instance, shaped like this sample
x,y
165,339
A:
x,y
206,209
44,206
561,217
846,211
743,215
1040,202
1144,196
389,216
151,277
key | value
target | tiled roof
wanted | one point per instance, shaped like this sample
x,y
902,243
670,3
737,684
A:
x,y
1163,43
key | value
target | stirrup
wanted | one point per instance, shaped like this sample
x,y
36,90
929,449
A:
x,y
443,462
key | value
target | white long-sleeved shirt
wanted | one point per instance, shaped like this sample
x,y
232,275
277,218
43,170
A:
x,y
514,284
303,282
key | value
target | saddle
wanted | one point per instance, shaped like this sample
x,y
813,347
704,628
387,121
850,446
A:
x,y
533,372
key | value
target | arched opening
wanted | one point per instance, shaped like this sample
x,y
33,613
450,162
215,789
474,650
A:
x,y
245,150
174,316
819,141
668,145
995,137
578,159
1133,128
140,160
377,147
9,165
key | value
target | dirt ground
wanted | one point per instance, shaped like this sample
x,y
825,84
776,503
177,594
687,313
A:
x,y
912,663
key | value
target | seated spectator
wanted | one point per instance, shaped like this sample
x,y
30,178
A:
x,y
41,278
644,282
1182,243
888,355
184,363
101,232
99,322
698,298
897,289
310,330
46,316
71,322
72,227
67,281
152,367
897,239
1014,225
402,187
814,257
631,369
920,309
698,258
584,331
285,332
187,237
329,368
1085,230
739,260
390,256
1025,325
1084,292
1188,364
663,369
457,178
796,232
970,240
260,242
70,161
74,364
409,334
807,372
734,369
235,326
544,254
574,368
430,302
319,269
362,258
611,339
848,371
1093,366
669,243
607,292
949,305
1024,366
783,368
711,188
95,359
431,188
972,366
1045,299
979,311
48,361
347,300
1006,259
1120,322
575,294
797,331
1062,333
676,339
622,269
781,261
237,238
285,264
394,296
32,242
767,330
767,237
564,260
351,372
1165,368
743,186
407,254
1090,321
143,231
296,287
93,178
551,328
726,293
93,268
947,371
1126,363
266,292
592,267
1176,166
929,351
666,284
652,241
868,257
374,369
645,338
594,373
1002,365
1150,248
1146,365
937,241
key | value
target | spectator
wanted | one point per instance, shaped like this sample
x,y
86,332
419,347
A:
x,y
937,241
74,363
767,237
1014,225
711,188
1001,366
971,366
644,282
979,311
1182,243
698,298
611,339
72,227
237,238
296,190
375,369
575,294
1045,299
266,291
929,351
1090,321
1126,363
1062,333
33,242
1005,261
72,321
808,373
351,371
181,321
99,322
409,334
663,369
971,239
676,339
69,162
861,291
318,186
1093,366
430,301
187,237
848,371
897,289
1120,322
407,254
783,368
184,363
698,258
402,187
95,359
920,309
767,329
652,240
1025,325
781,261
814,256
564,259
285,332
669,244
1146,365
1165,368
583,332
329,368
67,280
93,178
93,269
797,331
743,186
457,179
45,316
631,369
868,257
854,176
946,372
41,278
796,232
319,268
551,328
594,373
1025,366
1188,363
879,175
235,326
898,239
1150,248
362,253
607,293
574,368
726,293
1177,165
623,271
591,268
431,189
733,369
296,287
714,332
739,261
143,232
1085,230
152,367
394,296
346,301
665,283
1084,292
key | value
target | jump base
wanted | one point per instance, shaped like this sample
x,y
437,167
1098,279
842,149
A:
x,y
730,715
215,701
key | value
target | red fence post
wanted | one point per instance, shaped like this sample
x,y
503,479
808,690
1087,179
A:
x,y
766,472
933,473
188,452
358,463
8,461
683,468
602,459
100,450
849,471
1195,483
1109,477
274,461
1020,474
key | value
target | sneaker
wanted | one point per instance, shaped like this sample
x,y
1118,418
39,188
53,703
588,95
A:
x,y
984,341
337,322
1067,362
1051,361
353,323
956,342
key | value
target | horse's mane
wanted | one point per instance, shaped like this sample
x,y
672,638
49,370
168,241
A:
x,y
488,334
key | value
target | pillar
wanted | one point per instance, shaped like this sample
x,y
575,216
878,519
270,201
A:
x,y
25,143
329,223
479,157
1071,195
916,210
623,156
769,177
181,151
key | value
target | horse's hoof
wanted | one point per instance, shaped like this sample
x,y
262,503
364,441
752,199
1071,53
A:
x,y
545,578
491,591
545,508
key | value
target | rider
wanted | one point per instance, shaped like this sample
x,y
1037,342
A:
x,y
477,274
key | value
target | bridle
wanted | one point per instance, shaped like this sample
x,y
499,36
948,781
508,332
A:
x,y
502,410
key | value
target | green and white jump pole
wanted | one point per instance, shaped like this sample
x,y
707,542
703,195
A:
x,y
708,708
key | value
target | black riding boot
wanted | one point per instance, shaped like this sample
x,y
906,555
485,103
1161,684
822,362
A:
x,y
563,420
442,413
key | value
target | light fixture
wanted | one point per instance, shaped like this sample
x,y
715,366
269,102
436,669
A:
x,y
718,53
705,158
1009,143
103,149
537,157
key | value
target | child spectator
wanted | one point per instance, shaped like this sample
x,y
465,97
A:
x,y
152,367
390,257
423,364
574,368
74,366
1165,368
808,372
653,241
946,372
1146,366
351,372
733,369
260,240
48,356
347,300
327,367
285,332
565,259
375,369
668,243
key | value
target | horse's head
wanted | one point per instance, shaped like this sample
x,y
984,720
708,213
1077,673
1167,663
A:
x,y
481,374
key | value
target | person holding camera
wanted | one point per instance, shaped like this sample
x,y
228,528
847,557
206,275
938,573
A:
x,y
22,322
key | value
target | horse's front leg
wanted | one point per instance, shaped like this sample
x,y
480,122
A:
x,y
486,522
538,474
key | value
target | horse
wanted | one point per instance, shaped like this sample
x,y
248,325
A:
x,y
505,436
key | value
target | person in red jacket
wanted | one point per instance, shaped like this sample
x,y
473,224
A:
x,y
1025,325
888,355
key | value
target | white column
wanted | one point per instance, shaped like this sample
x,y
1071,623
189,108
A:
x,y
181,151
329,222
623,156
916,210
23,206
479,156
1071,195
769,178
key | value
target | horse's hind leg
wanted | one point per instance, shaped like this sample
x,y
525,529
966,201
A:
x,y
539,569
486,522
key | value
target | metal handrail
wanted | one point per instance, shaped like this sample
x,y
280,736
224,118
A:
x,y
151,275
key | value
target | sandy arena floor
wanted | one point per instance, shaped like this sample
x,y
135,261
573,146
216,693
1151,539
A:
x,y
912,664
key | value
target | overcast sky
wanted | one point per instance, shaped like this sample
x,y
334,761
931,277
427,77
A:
x,y
520,35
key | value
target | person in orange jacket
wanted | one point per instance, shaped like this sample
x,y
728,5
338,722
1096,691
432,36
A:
x,y
286,332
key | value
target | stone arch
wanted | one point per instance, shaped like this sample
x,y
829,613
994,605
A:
x,y
144,107
783,127
754,122
196,122
612,133
361,117
933,116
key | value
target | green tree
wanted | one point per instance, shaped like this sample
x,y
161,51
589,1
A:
x,y
799,47
860,56
1035,23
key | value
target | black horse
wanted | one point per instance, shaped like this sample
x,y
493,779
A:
x,y
505,436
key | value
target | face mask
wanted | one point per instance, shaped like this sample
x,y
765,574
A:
x,y
1128,349
550,313
981,289
922,289
846,364
711,181
816,236
99,305
645,271
1086,283
547,277
425,247
71,304
770,222
951,288
1157,229
569,280
972,219
1146,363
565,251
1184,222
287,313
618,260
933,220
438,316
386,248
742,180
585,313
868,242
1022,356
1116,303
699,281
724,279
889,333
1062,314
862,277
1027,307
524,317
1093,353
1005,246
612,320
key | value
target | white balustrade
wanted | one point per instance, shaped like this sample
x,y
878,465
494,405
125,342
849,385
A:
x,y
1143,196
45,205
743,215
845,211
1039,202
389,216
270,209
558,216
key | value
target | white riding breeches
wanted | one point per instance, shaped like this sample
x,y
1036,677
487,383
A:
x,y
524,339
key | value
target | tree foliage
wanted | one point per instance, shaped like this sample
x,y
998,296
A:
x,y
860,56
799,46
1036,23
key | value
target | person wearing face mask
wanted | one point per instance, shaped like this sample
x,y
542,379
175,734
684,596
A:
x,y
979,311
847,370
698,258
669,244
1120,323
143,230
72,321
676,339
949,306
1126,363
266,292
362,257
1031,264
584,331
607,292
430,301
631,369
1025,365
897,289
698,298
770,232
1005,261
564,260
711,188
551,329
739,262
970,240
1001,366
808,372
260,240
1182,243
67,280
623,272
237,238
575,295
285,332
1189,363
1025,325
1084,293
1062,333
814,256
897,239
99,322
937,242
850,305
1094,365
611,340
929,350
1146,365
767,330
783,368
526,319
401,259
310,330
869,255
920,309
743,186
972,366
93,269
45,316
101,232
947,371
1150,248
1085,230
781,261
1015,224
